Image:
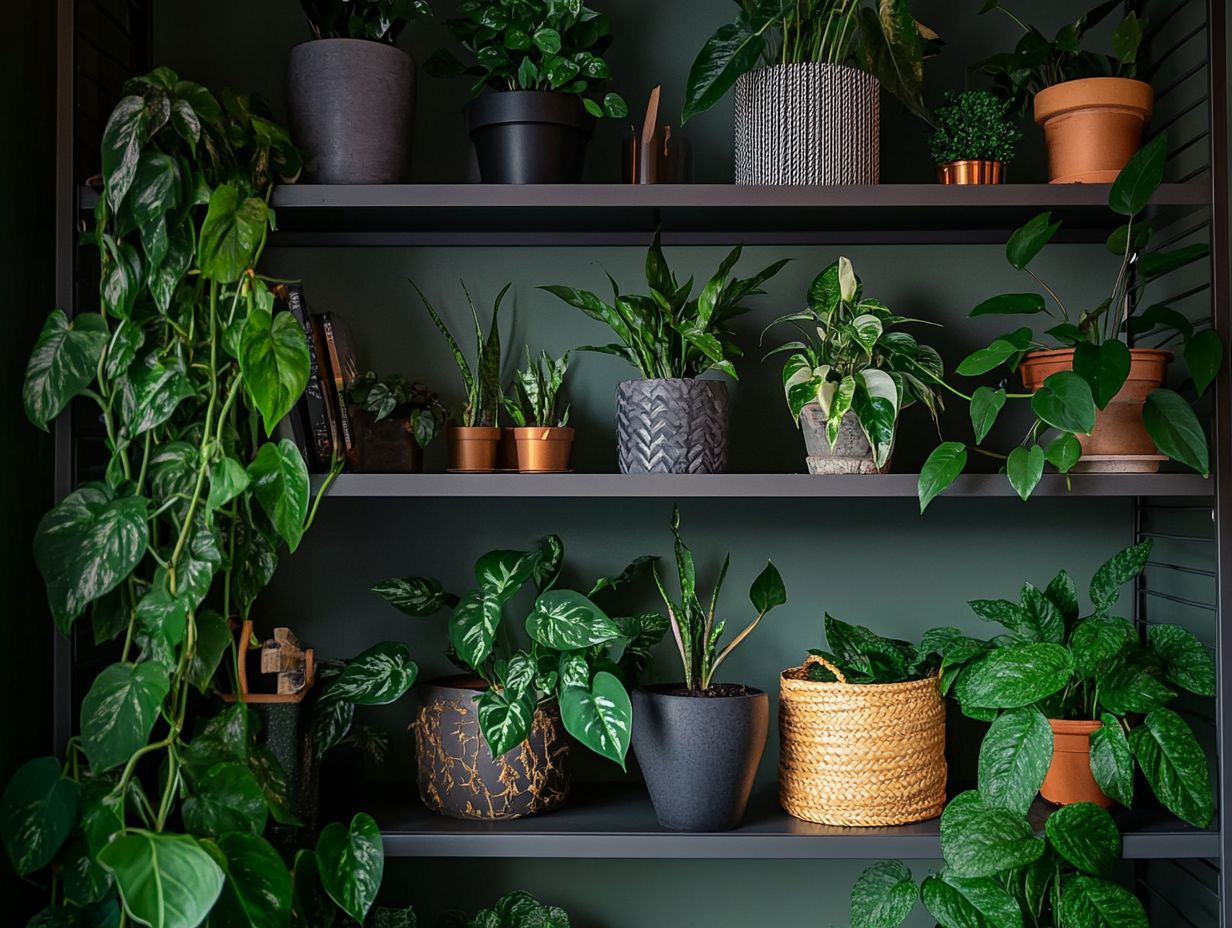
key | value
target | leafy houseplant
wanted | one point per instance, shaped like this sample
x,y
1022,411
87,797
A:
x,y
541,431
849,376
544,61
377,677
396,420
515,910
672,338
810,49
158,808
1079,96
473,442
1073,388
698,741
974,138
351,92
572,671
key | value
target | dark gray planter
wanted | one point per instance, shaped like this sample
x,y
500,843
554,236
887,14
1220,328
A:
x,y
352,105
672,426
529,136
699,755
459,777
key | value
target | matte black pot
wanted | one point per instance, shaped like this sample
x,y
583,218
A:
x,y
352,105
699,754
459,777
529,136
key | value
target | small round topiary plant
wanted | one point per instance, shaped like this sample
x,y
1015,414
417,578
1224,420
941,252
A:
x,y
974,125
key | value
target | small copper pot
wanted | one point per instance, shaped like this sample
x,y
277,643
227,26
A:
x,y
472,449
543,450
507,453
971,172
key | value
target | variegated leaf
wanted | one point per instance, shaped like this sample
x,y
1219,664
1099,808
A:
x,y
567,620
600,717
472,627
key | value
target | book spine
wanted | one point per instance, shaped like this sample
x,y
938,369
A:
x,y
315,407
336,362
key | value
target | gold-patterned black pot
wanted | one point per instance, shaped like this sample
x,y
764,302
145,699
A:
x,y
459,777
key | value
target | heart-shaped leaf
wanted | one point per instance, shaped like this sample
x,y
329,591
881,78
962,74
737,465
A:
x,y
351,862
257,891
1027,241
1112,761
232,232
1014,757
986,405
600,717
1117,571
1140,178
567,620
983,841
1090,903
1176,431
1186,660
1065,402
505,717
227,799
379,676
1204,358
416,596
1025,468
119,712
883,896
1173,763
1104,367
978,903
940,470
275,363
37,814
1086,836
166,881
63,363
280,484
1016,675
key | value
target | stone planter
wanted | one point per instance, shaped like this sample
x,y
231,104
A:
x,y
850,454
672,426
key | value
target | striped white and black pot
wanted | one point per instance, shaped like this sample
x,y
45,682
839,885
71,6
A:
x,y
808,124
672,426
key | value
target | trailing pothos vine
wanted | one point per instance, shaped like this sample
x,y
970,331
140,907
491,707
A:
x,y
157,813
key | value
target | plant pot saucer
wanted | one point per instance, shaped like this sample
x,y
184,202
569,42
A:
x,y
566,470
1118,464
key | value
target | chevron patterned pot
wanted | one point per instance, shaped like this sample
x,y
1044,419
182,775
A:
x,y
672,426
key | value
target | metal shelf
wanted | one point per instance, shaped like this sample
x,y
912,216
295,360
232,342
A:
x,y
682,486
619,822
616,214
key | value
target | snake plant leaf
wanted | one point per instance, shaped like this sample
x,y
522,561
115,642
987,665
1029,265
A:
x,y
166,881
940,470
1065,402
883,896
1025,468
280,484
958,902
1095,641
600,717
379,676
472,627
1014,757
1174,764
119,712
1140,178
986,405
275,363
1104,367
502,573
63,363
566,620
416,596
1016,675
1176,431
257,890
1030,239
1186,660
231,234
1117,571
1090,903
228,798
37,814
459,358
733,50
351,862
986,841
1204,358
1112,761
1086,836
505,717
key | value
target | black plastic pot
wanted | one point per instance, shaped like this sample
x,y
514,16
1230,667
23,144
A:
x,y
529,136
699,754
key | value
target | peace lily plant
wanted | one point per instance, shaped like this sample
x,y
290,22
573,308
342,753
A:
x,y
156,812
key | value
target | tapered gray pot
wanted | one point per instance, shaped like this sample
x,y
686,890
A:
x,y
699,754
672,426
352,105
849,454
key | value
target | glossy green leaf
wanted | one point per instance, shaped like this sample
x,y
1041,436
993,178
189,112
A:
x,y
280,484
1016,675
502,573
1028,241
228,798
37,814
154,391
1014,757
566,620
1112,761
999,351
1042,617
1159,263
257,891
767,590
126,131
956,902
311,907
1096,641
213,640
275,363
600,717
1065,402
379,676
984,841
166,881
416,596
1086,836
1174,764
1204,358
331,720
505,717
986,405
85,881
1140,178
1176,431
472,627
1127,686
1025,468
231,234
1090,903
1011,304
1117,571
1119,240
119,712
1186,661
1063,452
62,364
733,50
351,861
940,470
883,896
1104,367
875,404
228,479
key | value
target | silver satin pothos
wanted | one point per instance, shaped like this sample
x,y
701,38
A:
x,y
672,426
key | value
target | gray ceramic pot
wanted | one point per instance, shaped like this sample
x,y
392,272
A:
x,y
699,755
850,453
459,777
672,426
352,105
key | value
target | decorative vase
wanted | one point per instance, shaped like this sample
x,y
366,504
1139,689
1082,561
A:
x,y
699,754
459,777
472,449
676,426
529,136
1069,777
1092,126
808,124
384,447
850,454
1119,443
543,450
352,104
971,171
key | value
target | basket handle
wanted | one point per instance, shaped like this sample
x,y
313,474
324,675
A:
x,y
818,659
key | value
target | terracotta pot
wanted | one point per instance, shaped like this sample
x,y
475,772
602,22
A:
x,y
1069,778
543,450
1092,127
507,453
971,172
1119,442
472,449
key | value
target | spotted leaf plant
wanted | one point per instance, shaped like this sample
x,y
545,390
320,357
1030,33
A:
x,y
567,647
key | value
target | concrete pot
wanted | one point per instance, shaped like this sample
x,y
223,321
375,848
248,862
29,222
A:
x,y
352,105
1069,778
1092,126
699,754
674,426
850,454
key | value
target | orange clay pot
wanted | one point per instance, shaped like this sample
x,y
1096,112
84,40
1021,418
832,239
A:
x,y
472,449
1119,431
1069,778
1092,127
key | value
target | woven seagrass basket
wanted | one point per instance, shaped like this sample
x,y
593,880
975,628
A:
x,y
860,754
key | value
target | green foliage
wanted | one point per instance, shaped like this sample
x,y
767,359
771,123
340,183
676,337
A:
x,y
397,396
1037,63
482,383
974,125
863,656
514,910
377,20
379,676
848,359
695,628
670,333
535,390
568,648
882,38
534,45
1068,401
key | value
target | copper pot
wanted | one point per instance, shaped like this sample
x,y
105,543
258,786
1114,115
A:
x,y
1092,126
1119,432
1069,777
472,449
543,450
971,171
507,453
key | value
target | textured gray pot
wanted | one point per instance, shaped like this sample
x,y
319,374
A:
x,y
808,124
352,105
850,454
672,426
699,755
